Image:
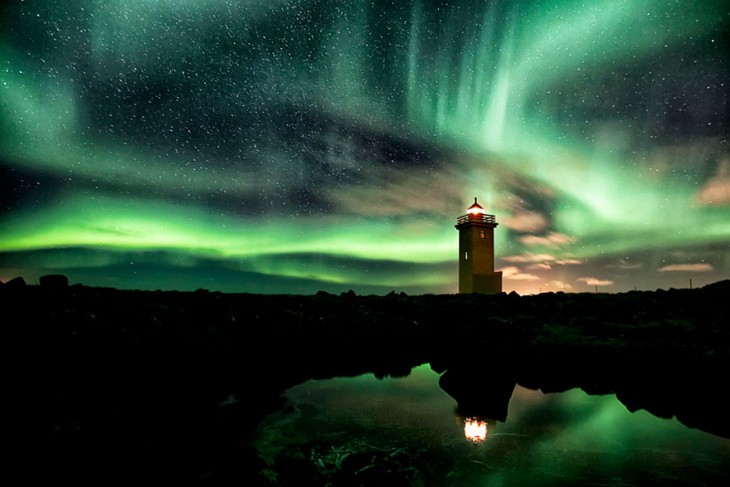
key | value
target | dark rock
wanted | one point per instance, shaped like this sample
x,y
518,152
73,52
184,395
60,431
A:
x,y
718,286
659,351
16,282
53,281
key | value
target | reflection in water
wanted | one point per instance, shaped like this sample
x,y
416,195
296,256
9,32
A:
x,y
366,431
475,430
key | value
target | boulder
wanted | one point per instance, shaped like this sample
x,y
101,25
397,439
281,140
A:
x,y
16,282
53,281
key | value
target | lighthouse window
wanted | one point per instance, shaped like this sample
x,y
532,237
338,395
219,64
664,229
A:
x,y
481,234
466,255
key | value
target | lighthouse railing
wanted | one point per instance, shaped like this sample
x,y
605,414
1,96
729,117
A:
x,y
476,218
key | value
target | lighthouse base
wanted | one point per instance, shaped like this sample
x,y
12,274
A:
x,y
481,283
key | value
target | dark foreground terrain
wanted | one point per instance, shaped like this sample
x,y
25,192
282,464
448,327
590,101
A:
x,y
113,386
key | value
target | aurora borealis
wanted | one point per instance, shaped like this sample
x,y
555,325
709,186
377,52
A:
x,y
292,145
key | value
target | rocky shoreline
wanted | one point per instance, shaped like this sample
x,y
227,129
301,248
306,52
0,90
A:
x,y
168,385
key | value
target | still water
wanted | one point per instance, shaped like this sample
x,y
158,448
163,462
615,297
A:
x,y
404,431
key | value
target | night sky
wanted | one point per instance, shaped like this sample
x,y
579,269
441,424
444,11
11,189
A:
x,y
288,146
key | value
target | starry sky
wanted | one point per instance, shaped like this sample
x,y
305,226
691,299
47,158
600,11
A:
x,y
290,146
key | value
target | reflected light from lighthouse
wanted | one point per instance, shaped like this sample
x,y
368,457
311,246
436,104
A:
x,y
475,430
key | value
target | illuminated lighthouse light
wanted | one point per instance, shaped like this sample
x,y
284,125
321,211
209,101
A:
x,y
475,209
475,430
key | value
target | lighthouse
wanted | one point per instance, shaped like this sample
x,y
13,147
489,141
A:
x,y
476,252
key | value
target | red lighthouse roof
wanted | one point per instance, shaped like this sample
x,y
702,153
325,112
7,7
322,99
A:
x,y
475,209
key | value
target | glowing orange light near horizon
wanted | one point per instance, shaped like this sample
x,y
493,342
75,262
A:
x,y
475,430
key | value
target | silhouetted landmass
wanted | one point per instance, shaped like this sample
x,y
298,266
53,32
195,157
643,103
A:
x,y
168,386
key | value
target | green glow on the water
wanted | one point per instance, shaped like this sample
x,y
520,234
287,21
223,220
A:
x,y
569,437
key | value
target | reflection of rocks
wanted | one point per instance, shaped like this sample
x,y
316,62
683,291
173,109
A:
x,y
666,382
126,375
693,393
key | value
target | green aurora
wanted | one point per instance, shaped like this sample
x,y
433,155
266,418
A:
x,y
292,146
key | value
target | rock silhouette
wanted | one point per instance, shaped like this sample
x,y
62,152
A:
x,y
53,280
120,385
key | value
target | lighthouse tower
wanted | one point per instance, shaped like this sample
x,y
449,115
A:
x,y
476,252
